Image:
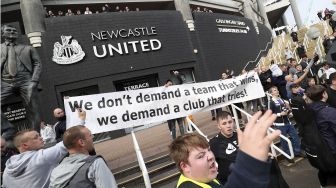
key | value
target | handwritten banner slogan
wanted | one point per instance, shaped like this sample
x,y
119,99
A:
x,y
120,110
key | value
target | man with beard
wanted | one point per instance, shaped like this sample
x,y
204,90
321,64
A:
x,y
80,169
60,125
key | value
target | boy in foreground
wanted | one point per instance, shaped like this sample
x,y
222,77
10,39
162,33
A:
x,y
198,166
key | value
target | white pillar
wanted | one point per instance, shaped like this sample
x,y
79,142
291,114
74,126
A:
x,y
248,13
262,10
296,14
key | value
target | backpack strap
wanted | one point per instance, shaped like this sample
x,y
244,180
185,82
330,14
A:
x,y
87,163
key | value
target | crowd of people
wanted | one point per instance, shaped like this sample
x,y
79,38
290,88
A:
x,y
296,87
50,13
203,9
235,157
327,16
88,10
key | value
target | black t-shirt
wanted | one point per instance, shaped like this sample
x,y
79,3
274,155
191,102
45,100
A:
x,y
331,97
225,151
60,128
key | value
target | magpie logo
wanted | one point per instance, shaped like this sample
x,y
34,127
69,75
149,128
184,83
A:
x,y
68,52
230,149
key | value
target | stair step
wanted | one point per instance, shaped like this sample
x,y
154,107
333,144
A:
x,y
165,178
137,177
134,167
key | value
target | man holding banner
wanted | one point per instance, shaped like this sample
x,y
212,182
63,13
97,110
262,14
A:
x,y
171,122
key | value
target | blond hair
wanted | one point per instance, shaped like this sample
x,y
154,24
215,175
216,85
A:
x,y
21,138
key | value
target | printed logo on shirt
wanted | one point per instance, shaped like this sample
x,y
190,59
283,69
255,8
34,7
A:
x,y
230,149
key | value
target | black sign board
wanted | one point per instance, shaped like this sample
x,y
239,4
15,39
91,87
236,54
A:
x,y
14,112
106,44
137,83
228,42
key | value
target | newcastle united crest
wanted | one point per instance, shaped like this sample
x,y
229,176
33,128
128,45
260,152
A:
x,y
68,52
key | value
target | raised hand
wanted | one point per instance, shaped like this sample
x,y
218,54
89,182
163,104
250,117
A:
x,y
255,141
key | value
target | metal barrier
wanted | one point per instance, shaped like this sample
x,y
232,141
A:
x,y
306,41
326,30
192,125
319,45
141,161
270,130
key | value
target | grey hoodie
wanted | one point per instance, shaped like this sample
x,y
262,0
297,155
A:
x,y
32,169
61,175
98,172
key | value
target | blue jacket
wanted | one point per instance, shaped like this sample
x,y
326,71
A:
x,y
326,122
277,106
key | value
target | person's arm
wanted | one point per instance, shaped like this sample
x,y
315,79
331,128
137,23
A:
x,y
252,167
178,76
36,65
54,154
82,116
248,172
306,71
101,175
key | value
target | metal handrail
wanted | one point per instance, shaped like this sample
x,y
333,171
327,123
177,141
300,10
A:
x,y
306,41
295,55
192,124
318,47
326,28
270,130
141,161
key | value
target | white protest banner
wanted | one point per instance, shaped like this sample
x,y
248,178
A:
x,y
120,110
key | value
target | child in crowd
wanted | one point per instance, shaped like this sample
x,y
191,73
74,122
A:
x,y
281,108
198,167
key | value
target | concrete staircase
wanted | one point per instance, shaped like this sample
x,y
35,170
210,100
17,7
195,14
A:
x,y
161,170
276,53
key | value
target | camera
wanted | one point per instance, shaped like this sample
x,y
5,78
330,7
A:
x,y
285,109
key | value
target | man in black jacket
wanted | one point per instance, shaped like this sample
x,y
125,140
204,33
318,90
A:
x,y
224,145
60,125
266,78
